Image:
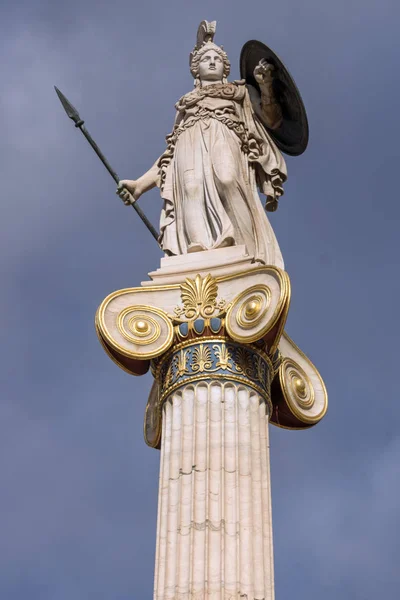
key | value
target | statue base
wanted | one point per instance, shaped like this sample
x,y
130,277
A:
x,y
219,262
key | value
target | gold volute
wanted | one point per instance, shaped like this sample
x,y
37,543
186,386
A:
x,y
252,308
299,386
141,326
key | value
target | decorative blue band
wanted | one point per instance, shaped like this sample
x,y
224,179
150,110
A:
x,y
214,358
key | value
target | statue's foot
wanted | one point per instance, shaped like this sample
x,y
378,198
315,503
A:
x,y
196,247
226,242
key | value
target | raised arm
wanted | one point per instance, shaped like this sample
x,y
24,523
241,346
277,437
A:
x,y
270,108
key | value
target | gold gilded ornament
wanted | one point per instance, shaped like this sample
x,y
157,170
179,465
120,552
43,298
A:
x,y
201,359
299,386
140,329
247,316
137,331
199,298
181,362
253,309
298,390
224,356
213,358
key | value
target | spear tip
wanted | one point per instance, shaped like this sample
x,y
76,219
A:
x,y
69,108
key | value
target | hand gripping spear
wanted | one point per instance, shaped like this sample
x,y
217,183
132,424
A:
x,y
79,123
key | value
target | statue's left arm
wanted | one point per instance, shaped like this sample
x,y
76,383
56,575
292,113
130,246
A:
x,y
264,155
270,108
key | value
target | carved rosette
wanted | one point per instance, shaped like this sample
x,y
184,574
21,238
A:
x,y
202,330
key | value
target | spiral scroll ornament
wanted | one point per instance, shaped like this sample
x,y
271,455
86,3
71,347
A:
x,y
299,393
249,316
138,326
137,331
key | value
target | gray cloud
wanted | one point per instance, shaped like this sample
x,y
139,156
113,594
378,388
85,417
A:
x,y
79,487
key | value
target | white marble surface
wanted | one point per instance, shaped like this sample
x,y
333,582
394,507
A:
x,y
218,157
214,532
218,262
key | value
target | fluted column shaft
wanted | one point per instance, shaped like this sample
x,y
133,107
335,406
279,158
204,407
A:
x,y
214,532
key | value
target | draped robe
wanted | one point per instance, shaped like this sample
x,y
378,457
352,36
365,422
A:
x,y
217,156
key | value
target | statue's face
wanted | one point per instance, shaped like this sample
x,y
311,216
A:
x,y
211,67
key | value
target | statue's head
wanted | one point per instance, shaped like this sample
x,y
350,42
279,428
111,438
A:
x,y
208,61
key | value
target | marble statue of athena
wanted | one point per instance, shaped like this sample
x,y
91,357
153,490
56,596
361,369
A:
x,y
209,324
217,157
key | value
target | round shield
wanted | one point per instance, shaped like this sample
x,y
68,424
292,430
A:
x,y
292,135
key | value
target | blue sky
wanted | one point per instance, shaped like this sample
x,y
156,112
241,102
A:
x,y
78,491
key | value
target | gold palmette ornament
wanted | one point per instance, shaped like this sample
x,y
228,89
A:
x,y
199,298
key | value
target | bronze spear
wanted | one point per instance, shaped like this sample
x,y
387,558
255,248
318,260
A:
x,y
79,123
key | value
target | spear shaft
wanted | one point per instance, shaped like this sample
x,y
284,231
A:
x,y
79,124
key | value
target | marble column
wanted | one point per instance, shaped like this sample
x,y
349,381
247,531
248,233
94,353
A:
x,y
214,532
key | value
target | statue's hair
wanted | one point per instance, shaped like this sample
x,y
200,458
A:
x,y
197,54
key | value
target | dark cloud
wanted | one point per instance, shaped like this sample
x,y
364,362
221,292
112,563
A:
x,y
79,487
